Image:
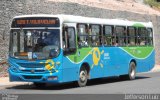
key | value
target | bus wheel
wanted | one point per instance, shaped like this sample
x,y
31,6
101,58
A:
x,y
39,85
82,77
131,73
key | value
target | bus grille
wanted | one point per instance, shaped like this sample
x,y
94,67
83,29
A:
x,y
32,77
37,65
36,71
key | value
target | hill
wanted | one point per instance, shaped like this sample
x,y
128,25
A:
x,y
136,6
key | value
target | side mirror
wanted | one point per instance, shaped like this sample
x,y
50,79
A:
x,y
53,53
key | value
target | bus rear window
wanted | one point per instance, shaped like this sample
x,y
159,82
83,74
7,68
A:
x,y
35,22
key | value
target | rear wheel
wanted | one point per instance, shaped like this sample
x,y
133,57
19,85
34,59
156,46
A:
x,y
82,77
131,73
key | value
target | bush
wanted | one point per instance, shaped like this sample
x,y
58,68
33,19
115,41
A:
x,y
152,3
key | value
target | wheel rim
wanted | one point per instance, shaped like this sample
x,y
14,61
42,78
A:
x,y
132,73
82,76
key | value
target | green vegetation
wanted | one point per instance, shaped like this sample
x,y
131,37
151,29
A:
x,y
153,3
1,69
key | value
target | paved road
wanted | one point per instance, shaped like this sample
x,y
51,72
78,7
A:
x,y
144,83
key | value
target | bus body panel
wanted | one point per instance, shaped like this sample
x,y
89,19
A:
x,y
113,62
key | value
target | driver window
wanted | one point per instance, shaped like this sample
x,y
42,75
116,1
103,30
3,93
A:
x,y
15,38
71,38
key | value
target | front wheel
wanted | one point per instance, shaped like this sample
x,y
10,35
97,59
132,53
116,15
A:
x,y
82,77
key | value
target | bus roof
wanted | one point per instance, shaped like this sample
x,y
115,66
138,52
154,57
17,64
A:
x,y
80,19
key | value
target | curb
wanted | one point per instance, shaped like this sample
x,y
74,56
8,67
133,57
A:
x,y
4,81
156,68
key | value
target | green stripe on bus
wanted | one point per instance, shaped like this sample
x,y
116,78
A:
x,y
139,52
136,52
138,25
80,54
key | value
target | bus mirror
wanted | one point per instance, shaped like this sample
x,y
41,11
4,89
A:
x,y
53,53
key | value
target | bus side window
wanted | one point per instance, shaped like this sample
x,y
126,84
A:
x,y
142,35
120,37
69,44
107,33
150,36
82,37
95,35
131,36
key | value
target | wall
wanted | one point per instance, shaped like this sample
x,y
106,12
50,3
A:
x,y
11,8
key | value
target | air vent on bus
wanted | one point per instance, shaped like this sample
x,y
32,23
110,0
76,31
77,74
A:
x,y
36,65
32,77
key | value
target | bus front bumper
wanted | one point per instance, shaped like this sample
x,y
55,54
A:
x,y
29,77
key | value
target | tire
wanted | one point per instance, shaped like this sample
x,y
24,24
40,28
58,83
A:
x,y
131,72
82,77
39,85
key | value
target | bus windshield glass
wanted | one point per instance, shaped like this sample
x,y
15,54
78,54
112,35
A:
x,y
34,43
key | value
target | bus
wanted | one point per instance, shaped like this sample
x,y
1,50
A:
x,y
66,48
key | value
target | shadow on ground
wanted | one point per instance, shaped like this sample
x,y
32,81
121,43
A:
x,y
72,85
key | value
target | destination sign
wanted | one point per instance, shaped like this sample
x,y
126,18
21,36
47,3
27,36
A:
x,y
35,22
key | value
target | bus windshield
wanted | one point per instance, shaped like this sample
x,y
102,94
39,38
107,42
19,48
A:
x,y
34,43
